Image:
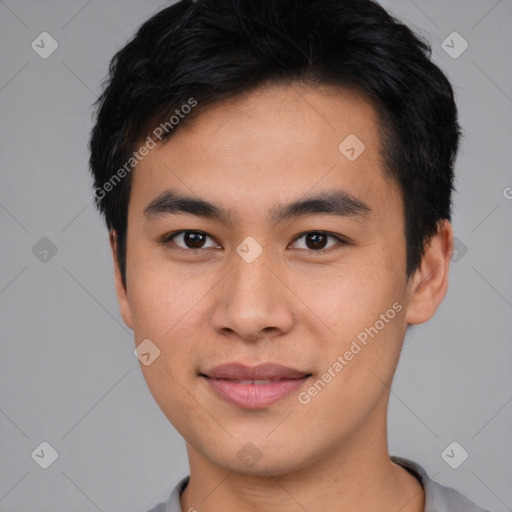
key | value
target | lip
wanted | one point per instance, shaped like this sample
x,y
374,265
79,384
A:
x,y
235,383
263,371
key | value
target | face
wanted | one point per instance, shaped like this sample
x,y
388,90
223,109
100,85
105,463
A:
x,y
318,287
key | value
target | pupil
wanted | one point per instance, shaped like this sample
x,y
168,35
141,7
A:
x,y
194,239
318,240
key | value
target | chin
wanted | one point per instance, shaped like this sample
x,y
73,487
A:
x,y
259,457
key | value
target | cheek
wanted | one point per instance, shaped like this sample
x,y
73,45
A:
x,y
363,359
167,308
171,392
353,298
365,311
163,311
162,296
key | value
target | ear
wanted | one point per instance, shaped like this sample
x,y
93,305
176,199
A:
x,y
429,284
122,296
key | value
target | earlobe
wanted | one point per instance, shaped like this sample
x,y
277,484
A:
x,y
121,292
430,282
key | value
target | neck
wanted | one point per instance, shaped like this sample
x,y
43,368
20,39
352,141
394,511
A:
x,y
356,474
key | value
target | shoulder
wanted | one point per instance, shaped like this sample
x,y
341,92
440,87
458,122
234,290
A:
x,y
450,500
173,502
438,498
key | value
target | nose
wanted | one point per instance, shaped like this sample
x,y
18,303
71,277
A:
x,y
253,301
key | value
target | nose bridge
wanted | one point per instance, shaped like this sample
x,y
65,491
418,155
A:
x,y
253,278
253,300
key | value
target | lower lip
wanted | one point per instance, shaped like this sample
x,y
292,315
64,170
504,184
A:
x,y
254,396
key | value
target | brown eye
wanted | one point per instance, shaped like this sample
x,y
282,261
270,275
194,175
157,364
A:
x,y
188,240
316,240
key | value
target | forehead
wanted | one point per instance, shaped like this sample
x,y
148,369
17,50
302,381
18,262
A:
x,y
281,117
272,144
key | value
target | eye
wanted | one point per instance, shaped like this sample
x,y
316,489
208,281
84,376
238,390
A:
x,y
315,241
189,239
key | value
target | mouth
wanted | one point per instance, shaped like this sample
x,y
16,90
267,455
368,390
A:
x,y
254,387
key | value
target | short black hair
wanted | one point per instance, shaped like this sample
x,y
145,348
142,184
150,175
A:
x,y
198,52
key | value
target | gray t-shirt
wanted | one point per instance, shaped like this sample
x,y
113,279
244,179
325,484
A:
x,y
438,498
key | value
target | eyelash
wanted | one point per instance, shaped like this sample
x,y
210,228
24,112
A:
x,y
168,239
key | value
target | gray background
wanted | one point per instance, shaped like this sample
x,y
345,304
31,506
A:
x,y
67,372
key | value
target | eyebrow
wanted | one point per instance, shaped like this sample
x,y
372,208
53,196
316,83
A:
x,y
333,202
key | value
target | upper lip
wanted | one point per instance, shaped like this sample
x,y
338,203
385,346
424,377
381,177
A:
x,y
265,371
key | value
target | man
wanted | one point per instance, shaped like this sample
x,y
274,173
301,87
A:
x,y
276,177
